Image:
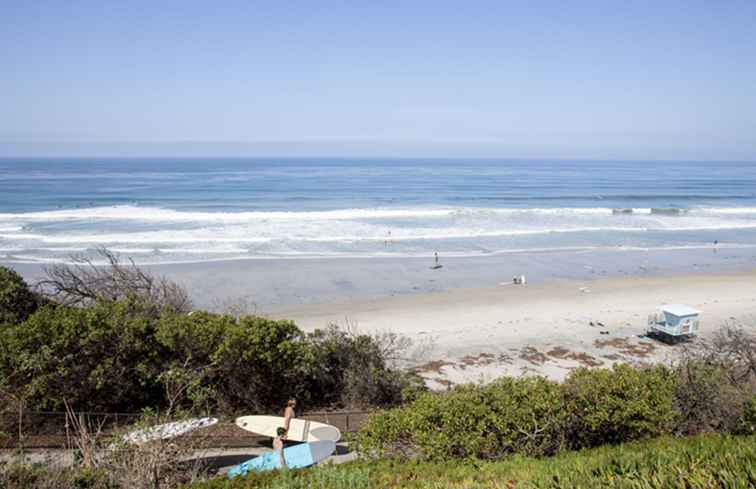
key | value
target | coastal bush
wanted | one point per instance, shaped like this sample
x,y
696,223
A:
x,y
124,353
523,416
17,300
747,421
20,475
103,357
258,363
705,400
348,369
113,356
529,416
618,405
716,381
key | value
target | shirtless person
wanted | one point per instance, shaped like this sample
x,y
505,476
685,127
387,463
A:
x,y
278,444
289,414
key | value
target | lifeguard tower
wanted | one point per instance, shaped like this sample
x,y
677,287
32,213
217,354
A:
x,y
675,320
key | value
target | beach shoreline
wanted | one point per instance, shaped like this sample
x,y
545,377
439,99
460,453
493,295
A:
x,y
469,323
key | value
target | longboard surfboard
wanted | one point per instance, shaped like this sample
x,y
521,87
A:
x,y
296,457
168,430
299,429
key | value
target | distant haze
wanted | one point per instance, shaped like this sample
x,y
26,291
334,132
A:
x,y
598,80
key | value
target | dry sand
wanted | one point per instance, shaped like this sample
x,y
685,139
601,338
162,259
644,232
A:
x,y
476,335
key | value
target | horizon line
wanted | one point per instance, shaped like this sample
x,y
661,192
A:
x,y
348,149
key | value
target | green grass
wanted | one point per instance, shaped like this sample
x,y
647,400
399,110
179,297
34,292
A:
x,y
713,461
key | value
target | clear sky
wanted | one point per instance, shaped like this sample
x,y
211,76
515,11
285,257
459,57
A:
x,y
603,79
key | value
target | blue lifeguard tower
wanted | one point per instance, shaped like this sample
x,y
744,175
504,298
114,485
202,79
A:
x,y
676,320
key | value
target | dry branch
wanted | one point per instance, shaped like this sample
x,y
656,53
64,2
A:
x,y
84,282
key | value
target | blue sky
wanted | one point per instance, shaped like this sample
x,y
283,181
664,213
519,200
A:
x,y
604,79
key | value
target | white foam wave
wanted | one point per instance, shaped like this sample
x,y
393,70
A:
x,y
153,214
217,237
728,210
167,216
152,232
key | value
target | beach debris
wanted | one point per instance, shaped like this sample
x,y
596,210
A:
x,y
584,290
477,360
533,356
641,349
582,358
434,366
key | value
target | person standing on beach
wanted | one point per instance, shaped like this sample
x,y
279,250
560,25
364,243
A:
x,y
289,414
278,444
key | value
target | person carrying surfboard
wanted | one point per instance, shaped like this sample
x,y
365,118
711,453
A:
x,y
289,413
278,444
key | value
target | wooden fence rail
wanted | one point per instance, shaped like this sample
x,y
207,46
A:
x,y
50,429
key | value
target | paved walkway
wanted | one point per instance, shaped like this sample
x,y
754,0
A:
x,y
220,459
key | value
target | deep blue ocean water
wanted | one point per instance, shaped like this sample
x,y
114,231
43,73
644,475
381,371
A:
x,y
173,210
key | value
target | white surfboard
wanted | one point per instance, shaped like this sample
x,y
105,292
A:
x,y
299,429
168,430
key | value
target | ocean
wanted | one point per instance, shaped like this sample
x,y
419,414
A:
x,y
193,210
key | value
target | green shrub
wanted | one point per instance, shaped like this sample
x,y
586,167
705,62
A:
x,y
258,363
118,355
349,369
747,421
509,416
100,358
705,400
20,475
529,415
17,300
716,381
619,405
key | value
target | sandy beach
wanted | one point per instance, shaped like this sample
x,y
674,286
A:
x,y
469,323
478,334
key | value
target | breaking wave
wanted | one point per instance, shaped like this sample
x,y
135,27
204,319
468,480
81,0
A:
x,y
164,234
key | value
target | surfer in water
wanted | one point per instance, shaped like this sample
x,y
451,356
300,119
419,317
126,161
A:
x,y
278,444
289,414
